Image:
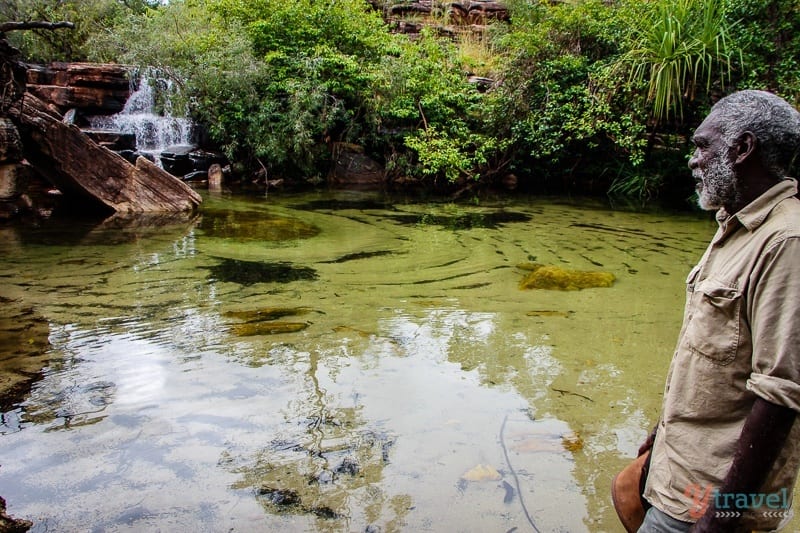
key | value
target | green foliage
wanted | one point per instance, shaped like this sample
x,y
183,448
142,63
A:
x,y
274,82
424,95
590,94
551,104
91,17
768,33
454,154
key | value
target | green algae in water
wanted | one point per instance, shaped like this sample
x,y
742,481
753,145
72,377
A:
x,y
551,277
250,272
263,321
462,221
547,312
254,226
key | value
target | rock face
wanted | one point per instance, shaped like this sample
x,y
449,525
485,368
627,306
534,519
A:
x,y
12,172
87,87
477,11
465,12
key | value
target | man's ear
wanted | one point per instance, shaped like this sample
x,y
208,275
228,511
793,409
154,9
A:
x,y
745,146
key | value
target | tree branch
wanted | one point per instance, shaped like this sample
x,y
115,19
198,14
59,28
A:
x,y
35,24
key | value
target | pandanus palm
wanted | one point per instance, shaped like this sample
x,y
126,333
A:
x,y
678,46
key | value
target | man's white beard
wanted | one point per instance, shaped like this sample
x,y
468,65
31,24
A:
x,y
718,186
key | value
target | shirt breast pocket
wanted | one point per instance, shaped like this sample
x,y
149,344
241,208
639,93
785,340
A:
x,y
714,318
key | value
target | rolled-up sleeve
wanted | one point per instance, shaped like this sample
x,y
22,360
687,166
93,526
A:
x,y
774,316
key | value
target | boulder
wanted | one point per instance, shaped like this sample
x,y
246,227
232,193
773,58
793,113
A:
x,y
12,525
421,7
352,168
175,159
477,11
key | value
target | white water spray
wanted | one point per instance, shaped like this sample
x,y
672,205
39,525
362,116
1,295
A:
x,y
154,131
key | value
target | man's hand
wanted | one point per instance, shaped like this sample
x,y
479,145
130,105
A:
x,y
648,444
763,436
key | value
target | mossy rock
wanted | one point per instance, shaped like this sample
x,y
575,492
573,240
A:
x,y
551,277
246,226
267,328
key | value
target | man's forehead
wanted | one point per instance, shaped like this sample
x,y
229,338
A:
x,y
709,128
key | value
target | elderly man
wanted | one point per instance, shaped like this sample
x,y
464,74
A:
x,y
726,449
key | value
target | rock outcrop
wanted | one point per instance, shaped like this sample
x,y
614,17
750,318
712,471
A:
x,y
90,88
464,12
353,169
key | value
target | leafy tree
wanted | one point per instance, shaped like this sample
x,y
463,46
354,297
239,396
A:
x,y
564,129
768,33
425,99
89,16
274,82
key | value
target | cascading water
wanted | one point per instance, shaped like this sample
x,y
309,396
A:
x,y
148,114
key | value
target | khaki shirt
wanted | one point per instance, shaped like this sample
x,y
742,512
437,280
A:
x,y
740,339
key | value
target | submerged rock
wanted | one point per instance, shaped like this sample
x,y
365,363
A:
x,y
250,272
254,226
267,328
267,313
548,312
281,497
24,343
12,525
551,277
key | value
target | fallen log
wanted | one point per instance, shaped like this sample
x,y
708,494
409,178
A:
x,y
81,168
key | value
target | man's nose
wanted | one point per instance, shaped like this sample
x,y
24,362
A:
x,y
693,160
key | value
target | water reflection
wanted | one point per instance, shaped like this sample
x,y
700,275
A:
x,y
24,345
424,390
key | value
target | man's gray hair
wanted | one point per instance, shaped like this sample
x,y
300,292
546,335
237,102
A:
x,y
774,122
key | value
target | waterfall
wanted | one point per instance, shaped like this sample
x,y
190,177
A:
x,y
148,114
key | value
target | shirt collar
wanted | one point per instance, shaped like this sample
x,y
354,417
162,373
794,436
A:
x,y
753,214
